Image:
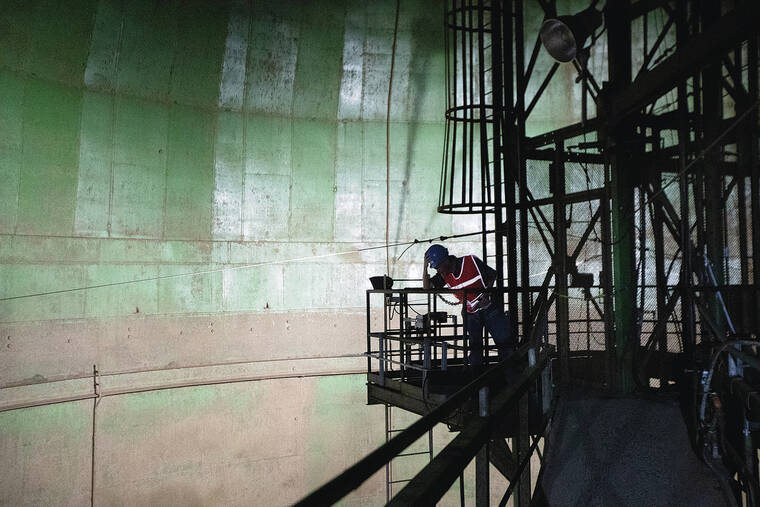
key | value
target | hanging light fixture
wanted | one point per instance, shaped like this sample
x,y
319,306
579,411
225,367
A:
x,y
564,36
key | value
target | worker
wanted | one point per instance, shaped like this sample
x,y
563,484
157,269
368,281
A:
x,y
469,272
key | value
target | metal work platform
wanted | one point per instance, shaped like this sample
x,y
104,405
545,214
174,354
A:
x,y
419,356
624,242
418,360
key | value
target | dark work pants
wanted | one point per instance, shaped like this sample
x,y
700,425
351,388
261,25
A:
x,y
495,322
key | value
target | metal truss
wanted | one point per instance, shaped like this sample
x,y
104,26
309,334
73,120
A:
x,y
626,239
667,139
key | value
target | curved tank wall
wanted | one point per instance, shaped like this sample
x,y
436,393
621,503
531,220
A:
x,y
242,140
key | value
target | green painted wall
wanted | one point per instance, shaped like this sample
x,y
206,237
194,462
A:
x,y
142,139
146,138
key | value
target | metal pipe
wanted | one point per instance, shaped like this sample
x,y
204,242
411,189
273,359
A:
x,y
708,378
178,385
96,399
381,363
66,378
751,360
388,464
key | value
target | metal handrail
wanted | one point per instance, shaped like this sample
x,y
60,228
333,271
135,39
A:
x,y
354,476
432,482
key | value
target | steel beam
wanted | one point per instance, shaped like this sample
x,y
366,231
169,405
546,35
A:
x,y
580,196
485,152
541,88
714,183
559,263
567,156
687,304
669,216
512,146
499,136
699,51
656,45
524,452
432,482
502,458
619,55
659,328
482,464
574,130
658,220
521,444
606,283
752,157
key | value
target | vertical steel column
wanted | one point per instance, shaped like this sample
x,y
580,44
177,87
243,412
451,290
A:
x,y
510,142
606,283
697,185
369,330
388,476
95,401
560,260
521,166
714,182
467,111
483,124
482,465
522,493
619,55
499,129
522,446
687,304
753,161
404,351
746,302
661,280
744,148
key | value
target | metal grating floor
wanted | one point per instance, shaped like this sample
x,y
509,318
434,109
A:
x,y
624,452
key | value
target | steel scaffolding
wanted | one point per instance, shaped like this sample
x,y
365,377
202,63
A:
x,y
641,220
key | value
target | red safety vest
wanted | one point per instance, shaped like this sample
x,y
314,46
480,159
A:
x,y
469,278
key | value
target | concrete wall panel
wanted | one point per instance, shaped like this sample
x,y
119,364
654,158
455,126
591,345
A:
x,y
229,170
45,455
96,144
148,37
252,443
189,174
71,347
51,116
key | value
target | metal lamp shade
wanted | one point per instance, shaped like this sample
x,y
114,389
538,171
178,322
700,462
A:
x,y
564,36
558,40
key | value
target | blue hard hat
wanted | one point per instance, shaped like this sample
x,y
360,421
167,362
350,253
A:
x,y
436,254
